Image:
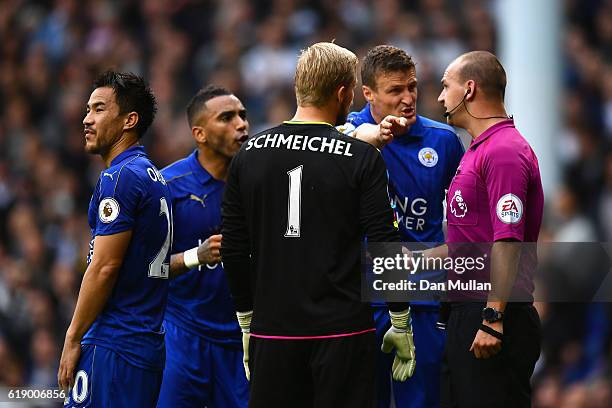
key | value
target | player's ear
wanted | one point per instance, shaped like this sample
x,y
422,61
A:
x,y
199,134
341,93
470,90
367,93
345,94
131,120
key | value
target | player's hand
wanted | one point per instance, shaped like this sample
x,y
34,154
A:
x,y
245,359
210,250
399,337
413,267
390,127
485,345
68,363
244,321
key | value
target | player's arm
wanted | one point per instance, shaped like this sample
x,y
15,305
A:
x,y
375,213
376,219
96,288
235,249
237,257
456,152
370,133
209,252
382,134
435,253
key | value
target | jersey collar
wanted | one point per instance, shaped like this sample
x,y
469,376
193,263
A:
x,y
304,122
416,130
132,151
491,131
199,172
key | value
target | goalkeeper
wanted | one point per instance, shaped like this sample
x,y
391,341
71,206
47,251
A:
x,y
298,201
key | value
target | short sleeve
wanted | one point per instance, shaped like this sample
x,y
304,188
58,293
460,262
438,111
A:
x,y
506,174
119,199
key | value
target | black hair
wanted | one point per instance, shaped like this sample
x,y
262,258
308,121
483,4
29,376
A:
x,y
198,102
132,94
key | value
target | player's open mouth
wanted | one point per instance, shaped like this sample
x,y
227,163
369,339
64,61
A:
x,y
407,112
242,139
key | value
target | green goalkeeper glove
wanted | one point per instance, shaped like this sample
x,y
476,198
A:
x,y
244,320
399,336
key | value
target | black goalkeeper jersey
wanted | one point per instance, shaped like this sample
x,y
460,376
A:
x,y
298,202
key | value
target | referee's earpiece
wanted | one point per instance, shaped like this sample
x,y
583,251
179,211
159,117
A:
x,y
467,92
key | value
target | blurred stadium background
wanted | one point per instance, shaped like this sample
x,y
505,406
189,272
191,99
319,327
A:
x,y
51,50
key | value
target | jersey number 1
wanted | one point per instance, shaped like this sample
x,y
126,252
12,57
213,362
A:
x,y
294,206
158,268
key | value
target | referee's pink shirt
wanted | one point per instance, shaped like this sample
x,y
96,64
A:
x,y
497,193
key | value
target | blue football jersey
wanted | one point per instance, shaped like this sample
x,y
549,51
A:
x,y
132,195
199,300
421,165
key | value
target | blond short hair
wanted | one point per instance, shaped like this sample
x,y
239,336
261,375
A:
x,y
321,69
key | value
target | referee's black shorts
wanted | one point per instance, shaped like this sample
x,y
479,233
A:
x,y
322,373
497,382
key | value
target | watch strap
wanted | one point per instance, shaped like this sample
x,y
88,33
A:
x,y
491,331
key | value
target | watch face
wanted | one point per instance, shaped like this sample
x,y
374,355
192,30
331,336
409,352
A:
x,y
488,313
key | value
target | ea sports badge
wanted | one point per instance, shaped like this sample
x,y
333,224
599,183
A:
x,y
108,211
509,209
428,157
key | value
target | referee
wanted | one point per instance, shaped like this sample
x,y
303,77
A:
x,y
298,201
496,198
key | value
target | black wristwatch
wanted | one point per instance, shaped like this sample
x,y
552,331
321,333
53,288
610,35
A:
x,y
491,315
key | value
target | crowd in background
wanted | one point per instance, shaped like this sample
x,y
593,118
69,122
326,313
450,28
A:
x,y
50,51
